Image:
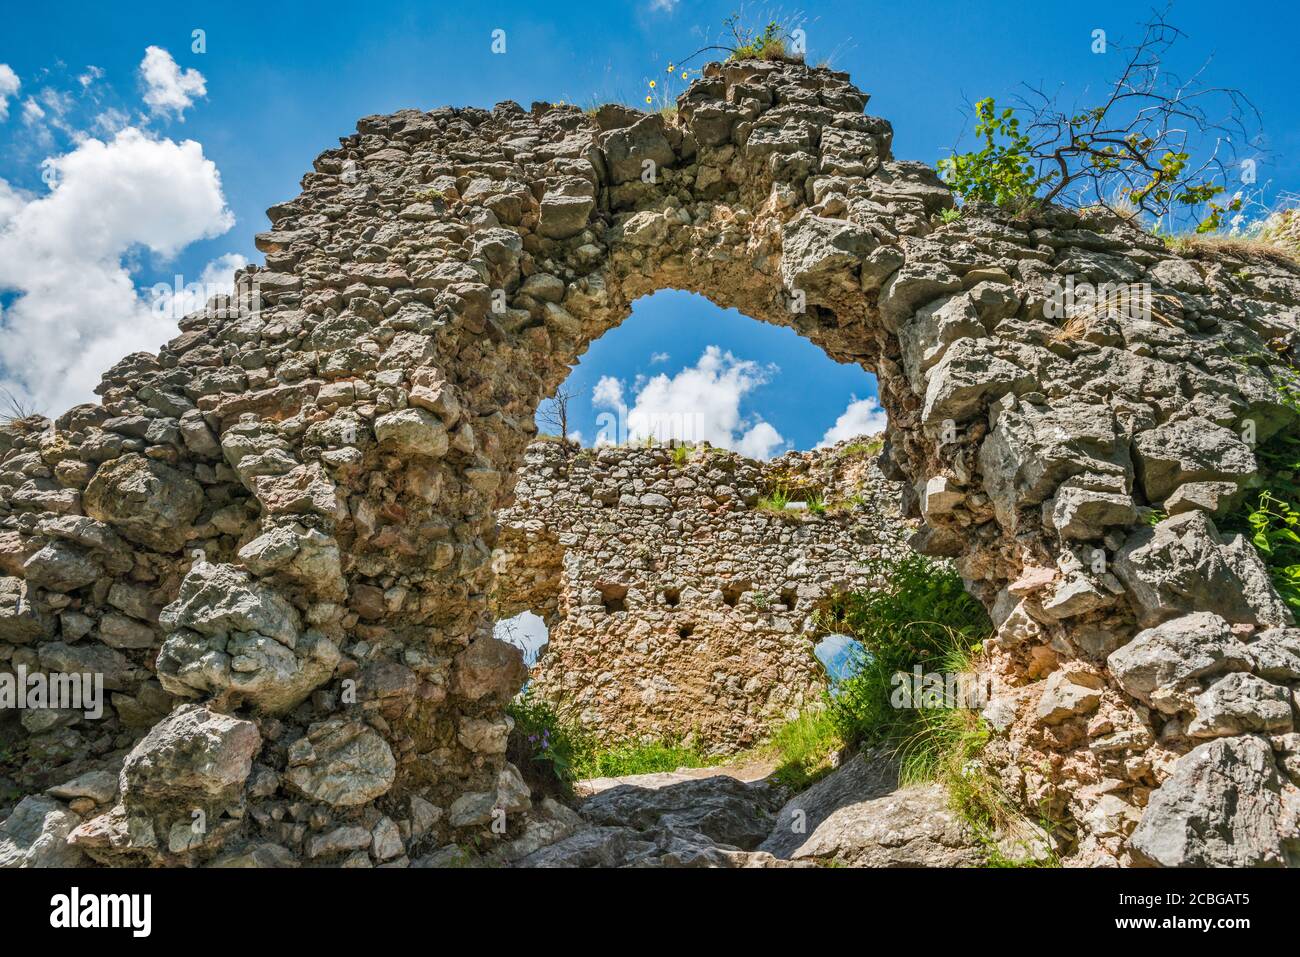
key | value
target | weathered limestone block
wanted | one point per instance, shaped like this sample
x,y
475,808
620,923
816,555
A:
x,y
20,621
1275,654
36,835
1191,450
414,431
818,252
1068,694
1182,565
342,763
145,501
1222,807
510,796
1240,704
216,600
1162,666
195,754
489,669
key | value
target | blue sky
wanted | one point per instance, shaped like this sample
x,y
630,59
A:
x,y
281,82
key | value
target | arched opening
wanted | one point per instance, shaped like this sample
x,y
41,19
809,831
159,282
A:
x,y
682,370
683,600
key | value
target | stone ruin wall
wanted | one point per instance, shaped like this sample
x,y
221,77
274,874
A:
x,y
676,607
272,539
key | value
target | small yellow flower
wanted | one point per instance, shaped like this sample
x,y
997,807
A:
x,y
649,99
684,72
653,84
670,68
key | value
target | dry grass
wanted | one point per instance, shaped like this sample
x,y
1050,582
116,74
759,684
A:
x,y
1237,248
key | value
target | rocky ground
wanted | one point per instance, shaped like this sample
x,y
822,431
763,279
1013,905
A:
x,y
740,817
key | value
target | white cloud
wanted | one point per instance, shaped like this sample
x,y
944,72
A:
x,y
700,403
180,298
92,74
32,112
862,417
9,84
760,442
664,6
168,88
608,393
657,357
77,311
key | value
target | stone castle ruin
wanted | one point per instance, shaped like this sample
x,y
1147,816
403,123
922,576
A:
x,y
677,607
272,541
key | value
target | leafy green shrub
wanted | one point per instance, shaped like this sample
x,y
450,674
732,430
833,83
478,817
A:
x,y
1270,519
921,615
1000,172
545,746
770,44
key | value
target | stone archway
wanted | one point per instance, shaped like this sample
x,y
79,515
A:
x,y
272,539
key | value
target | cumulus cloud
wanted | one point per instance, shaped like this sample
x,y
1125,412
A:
x,y
862,417
657,357
167,88
76,311
700,403
9,85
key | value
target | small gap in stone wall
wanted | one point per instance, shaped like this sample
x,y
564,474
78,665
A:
x,y
732,592
613,597
526,631
672,597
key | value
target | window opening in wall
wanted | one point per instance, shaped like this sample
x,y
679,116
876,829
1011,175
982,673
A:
x,y
613,597
525,631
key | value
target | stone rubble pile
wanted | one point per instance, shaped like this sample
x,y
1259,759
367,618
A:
x,y
272,540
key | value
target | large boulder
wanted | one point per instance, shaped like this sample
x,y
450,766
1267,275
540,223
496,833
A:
x,y
1183,565
857,815
1162,666
722,808
146,501
1222,807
